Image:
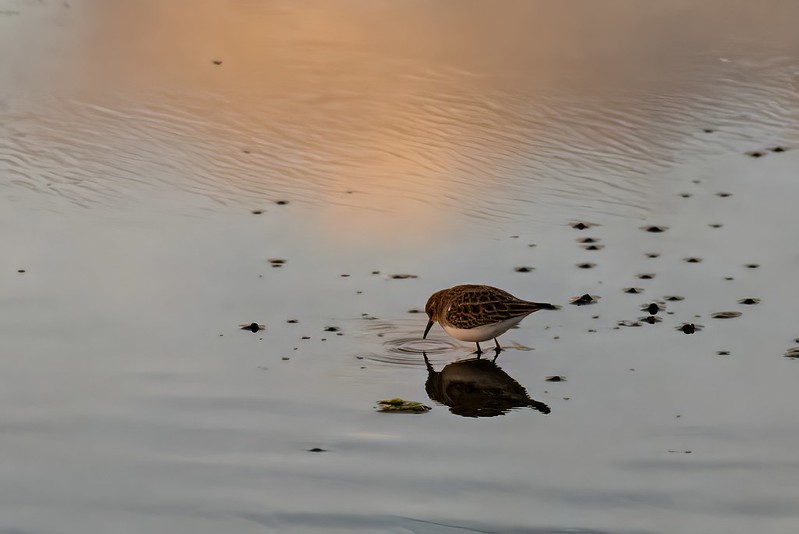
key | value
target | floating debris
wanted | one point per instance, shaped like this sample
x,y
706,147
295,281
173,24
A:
x,y
674,298
584,300
556,378
652,255
252,327
692,259
777,149
582,225
586,265
375,272
708,130
723,352
655,229
633,290
755,153
752,265
21,271
317,449
403,276
281,202
587,240
646,276
398,405
593,247
749,301
689,328
524,269
723,194
685,195
726,315
292,321
257,212
332,329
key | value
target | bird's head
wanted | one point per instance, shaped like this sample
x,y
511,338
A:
x,y
433,309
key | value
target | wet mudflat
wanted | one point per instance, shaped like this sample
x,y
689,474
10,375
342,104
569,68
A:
x,y
213,237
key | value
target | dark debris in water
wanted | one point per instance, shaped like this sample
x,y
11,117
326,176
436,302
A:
x,y
21,271
403,276
252,327
257,212
715,225
723,352
414,310
292,321
587,240
524,269
398,405
674,298
689,328
281,202
655,229
582,225
277,262
633,290
317,449
752,265
584,300
692,259
723,194
651,319
646,276
556,378
652,255
755,153
593,247
332,329
586,265
749,301
217,62
726,315
653,308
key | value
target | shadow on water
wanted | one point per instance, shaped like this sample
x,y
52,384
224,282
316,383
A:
x,y
477,388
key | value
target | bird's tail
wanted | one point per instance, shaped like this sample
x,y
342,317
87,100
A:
x,y
546,306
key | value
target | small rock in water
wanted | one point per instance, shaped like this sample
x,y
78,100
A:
x,y
685,195
633,290
709,130
749,301
556,378
584,300
257,212
524,269
292,321
688,328
317,449
586,265
277,262
217,62
593,247
332,329
21,271
651,319
752,265
403,276
398,405
281,202
778,149
674,298
581,225
726,315
653,309
692,260
646,276
755,153
655,229
715,225
723,194
723,352
414,310
375,272
252,327
652,255
587,240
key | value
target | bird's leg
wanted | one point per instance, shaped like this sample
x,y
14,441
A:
x,y
479,350
498,347
496,354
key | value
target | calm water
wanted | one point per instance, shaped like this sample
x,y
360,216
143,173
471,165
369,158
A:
x,y
453,141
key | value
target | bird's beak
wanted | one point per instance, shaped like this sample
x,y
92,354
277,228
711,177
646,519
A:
x,y
426,330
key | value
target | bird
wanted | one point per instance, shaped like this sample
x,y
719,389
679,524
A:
x,y
474,312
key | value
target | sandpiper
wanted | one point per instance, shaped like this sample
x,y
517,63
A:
x,y
478,313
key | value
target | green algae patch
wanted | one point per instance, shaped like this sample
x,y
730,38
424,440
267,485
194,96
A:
x,y
398,405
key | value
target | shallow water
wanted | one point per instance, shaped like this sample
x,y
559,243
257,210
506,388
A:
x,y
130,164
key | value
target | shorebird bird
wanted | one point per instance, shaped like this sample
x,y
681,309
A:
x,y
477,312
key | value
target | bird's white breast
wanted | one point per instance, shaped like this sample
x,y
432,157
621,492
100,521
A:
x,y
482,333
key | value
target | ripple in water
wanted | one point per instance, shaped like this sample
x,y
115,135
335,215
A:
x,y
410,350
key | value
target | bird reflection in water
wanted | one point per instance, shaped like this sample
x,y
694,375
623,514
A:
x,y
477,388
